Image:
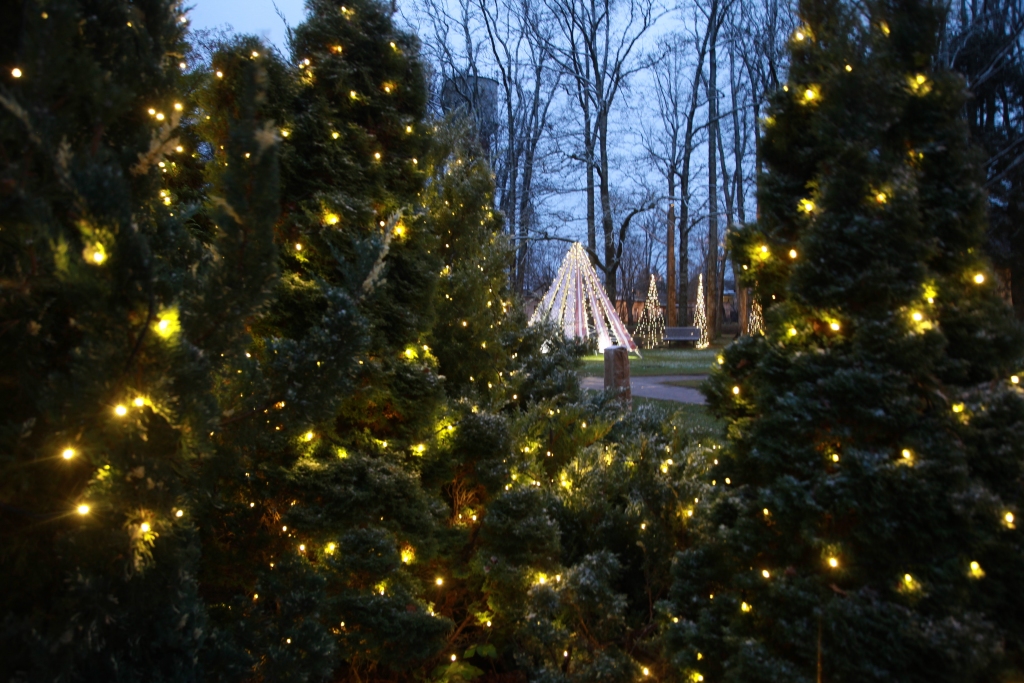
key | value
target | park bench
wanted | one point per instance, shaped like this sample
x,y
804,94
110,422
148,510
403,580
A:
x,y
690,334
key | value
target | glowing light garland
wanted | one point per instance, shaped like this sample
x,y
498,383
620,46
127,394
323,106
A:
x,y
755,325
577,303
650,329
700,316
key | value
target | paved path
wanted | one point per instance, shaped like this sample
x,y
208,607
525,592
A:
x,y
655,387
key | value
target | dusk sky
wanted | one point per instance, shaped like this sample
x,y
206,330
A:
x,y
248,16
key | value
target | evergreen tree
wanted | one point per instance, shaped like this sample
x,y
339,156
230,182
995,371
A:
x,y
117,314
321,535
863,524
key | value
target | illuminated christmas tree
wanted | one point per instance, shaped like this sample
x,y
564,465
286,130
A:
x,y
700,318
578,304
756,322
124,317
650,329
860,523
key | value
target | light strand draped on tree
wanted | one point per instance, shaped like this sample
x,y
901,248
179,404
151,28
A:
x,y
650,329
700,317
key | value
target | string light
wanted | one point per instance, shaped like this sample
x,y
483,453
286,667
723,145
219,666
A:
x,y
144,527
807,206
700,318
335,134
82,509
439,581
976,571
979,279
745,607
792,253
833,562
755,324
298,246
577,303
849,68
68,453
766,574
309,436
179,513
220,74
1008,520
120,411
834,326
736,391
16,72
1014,379
650,329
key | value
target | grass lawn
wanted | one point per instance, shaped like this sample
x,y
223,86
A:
x,y
684,415
674,361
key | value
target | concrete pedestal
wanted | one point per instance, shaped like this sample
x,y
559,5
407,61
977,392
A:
x,y
616,371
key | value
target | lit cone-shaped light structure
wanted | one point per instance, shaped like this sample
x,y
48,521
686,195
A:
x,y
578,304
700,316
756,323
650,330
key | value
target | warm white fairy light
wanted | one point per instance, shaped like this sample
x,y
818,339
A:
x,y
650,329
16,72
578,304
82,509
700,317
68,453
755,324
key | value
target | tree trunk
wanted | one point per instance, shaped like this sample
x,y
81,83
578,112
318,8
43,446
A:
x,y
711,305
670,270
607,224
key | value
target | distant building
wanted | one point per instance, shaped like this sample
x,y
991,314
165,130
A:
x,y
478,97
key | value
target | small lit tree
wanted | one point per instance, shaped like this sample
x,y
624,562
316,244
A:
x,y
650,329
700,318
863,525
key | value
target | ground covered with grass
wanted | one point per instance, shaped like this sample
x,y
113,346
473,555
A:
x,y
665,361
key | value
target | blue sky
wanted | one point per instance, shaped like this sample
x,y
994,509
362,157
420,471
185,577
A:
x,y
248,16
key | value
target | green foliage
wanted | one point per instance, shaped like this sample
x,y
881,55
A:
x,y
871,432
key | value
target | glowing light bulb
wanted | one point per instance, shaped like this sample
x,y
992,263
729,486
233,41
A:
x,y
220,74
917,316
331,219
255,54
120,411
68,453
809,94
151,111
1014,379
765,511
335,135
16,72
298,246
1008,518
799,35
835,457
309,436
144,527
82,509
439,581
376,155
792,253
906,453
647,672
178,106
182,65
454,658
736,391
833,562
139,402
353,94
792,332
408,129
302,547
745,607
976,571
764,249
834,326
331,547
806,205
179,513
979,278
765,573
849,68
881,198
958,407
